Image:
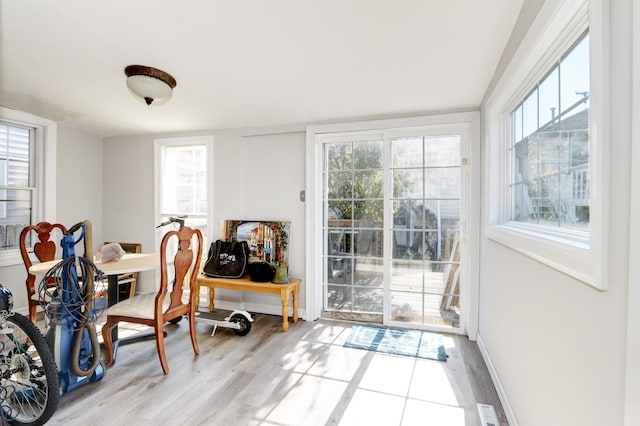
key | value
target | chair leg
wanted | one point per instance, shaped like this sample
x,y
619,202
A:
x,y
106,337
160,347
192,332
32,312
132,288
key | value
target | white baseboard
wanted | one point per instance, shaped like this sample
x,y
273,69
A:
x,y
25,311
508,412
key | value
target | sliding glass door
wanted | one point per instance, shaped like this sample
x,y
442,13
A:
x,y
392,208
424,287
353,229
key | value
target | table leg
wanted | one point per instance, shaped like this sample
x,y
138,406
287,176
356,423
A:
x,y
284,295
112,299
295,294
211,295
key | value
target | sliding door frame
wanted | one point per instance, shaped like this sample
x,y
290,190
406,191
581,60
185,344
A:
x,y
470,220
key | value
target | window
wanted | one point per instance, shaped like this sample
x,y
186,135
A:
x,y
550,146
183,182
16,182
546,156
27,160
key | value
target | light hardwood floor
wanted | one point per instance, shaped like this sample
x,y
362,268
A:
x,y
302,377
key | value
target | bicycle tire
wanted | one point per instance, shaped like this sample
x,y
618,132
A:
x,y
29,383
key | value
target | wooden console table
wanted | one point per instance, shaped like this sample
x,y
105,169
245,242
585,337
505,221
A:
x,y
286,291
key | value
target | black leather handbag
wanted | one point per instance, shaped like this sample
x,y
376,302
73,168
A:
x,y
227,259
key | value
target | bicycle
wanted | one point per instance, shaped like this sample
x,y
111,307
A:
x,y
29,384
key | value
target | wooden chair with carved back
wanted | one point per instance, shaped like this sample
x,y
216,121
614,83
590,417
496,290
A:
x,y
46,248
180,253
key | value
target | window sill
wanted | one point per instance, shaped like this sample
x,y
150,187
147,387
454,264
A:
x,y
567,252
10,258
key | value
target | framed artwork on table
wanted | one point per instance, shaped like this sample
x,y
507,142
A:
x,y
268,241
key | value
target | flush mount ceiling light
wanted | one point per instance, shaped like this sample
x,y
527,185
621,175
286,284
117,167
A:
x,y
150,84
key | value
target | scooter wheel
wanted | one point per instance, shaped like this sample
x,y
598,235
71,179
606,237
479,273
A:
x,y
175,320
245,324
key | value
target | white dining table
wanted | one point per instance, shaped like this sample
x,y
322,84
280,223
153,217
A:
x,y
130,262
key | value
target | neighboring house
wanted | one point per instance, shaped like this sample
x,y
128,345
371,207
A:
x,y
558,153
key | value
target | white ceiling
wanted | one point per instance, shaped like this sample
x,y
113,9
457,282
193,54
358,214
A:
x,y
248,63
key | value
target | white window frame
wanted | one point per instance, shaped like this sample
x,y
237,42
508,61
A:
x,y
43,206
558,25
159,144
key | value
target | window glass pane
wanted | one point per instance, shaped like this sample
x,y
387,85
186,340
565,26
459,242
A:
x,y
340,241
339,213
368,242
15,146
406,275
406,152
339,270
442,151
367,155
574,78
549,94
339,185
530,114
403,211
368,213
517,123
339,156
406,307
407,183
367,299
339,297
367,184
407,244
369,273
442,183
549,213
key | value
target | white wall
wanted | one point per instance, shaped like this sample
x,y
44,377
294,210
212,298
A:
x,y
632,389
555,346
258,174
79,180
13,277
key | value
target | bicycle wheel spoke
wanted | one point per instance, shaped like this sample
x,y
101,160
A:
x,y
29,379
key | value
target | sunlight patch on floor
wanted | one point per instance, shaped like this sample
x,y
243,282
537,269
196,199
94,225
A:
x,y
310,402
420,413
338,363
388,374
373,408
329,383
430,383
